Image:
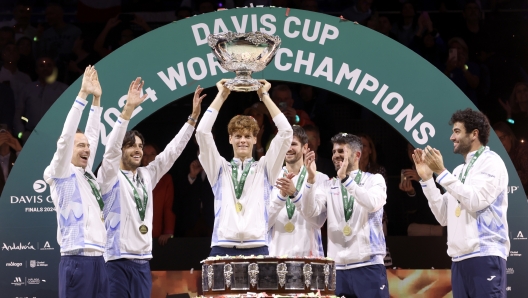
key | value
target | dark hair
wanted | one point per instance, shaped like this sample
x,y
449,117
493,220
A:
x,y
373,158
279,88
473,120
130,138
311,127
300,134
506,130
156,148
79,131
347,138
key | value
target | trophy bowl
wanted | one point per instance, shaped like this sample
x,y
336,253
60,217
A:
x,y
244,53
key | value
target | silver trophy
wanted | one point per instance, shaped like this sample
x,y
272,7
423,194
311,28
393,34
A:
x,y
244,53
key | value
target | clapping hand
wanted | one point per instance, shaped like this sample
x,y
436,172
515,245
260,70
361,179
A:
x,y
341,173
285,185
309,163
434,160
422,168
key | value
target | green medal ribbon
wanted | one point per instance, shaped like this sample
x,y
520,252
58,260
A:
x,y
463,176
140,207
290,207
470,165
348,202
95,191
239,185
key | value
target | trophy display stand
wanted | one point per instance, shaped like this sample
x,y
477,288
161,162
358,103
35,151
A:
x,y
243,276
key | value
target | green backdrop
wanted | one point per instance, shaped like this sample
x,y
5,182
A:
x,y
317,49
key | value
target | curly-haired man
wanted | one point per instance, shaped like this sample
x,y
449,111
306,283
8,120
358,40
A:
x,y
473,207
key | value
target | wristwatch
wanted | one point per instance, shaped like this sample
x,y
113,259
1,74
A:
x,y
294,194
345,179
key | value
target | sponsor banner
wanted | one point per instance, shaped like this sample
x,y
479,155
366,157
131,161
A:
x,y
317,49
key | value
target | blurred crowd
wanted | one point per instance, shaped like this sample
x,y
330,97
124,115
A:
x,y
480,45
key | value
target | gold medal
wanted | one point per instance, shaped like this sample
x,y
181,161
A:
x,y
143,229
347,230
458,210
238,207
289,227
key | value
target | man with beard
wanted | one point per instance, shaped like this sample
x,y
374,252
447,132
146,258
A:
x,y
242,186
291,233
81,233
127,187
354,203
473,207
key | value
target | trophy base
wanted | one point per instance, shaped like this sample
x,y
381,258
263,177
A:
x,y
243,85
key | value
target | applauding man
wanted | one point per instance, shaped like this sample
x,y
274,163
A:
x,y
354,203
293,234
77,198
128,189
473,207
242,187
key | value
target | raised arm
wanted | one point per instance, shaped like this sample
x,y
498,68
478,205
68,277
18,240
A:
x,y
209,156
166,159
108,173
281,142
60,164
94,119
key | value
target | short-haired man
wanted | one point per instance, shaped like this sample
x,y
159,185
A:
x,y
76,195
128,189
354,203
473,208
241,209
292,234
